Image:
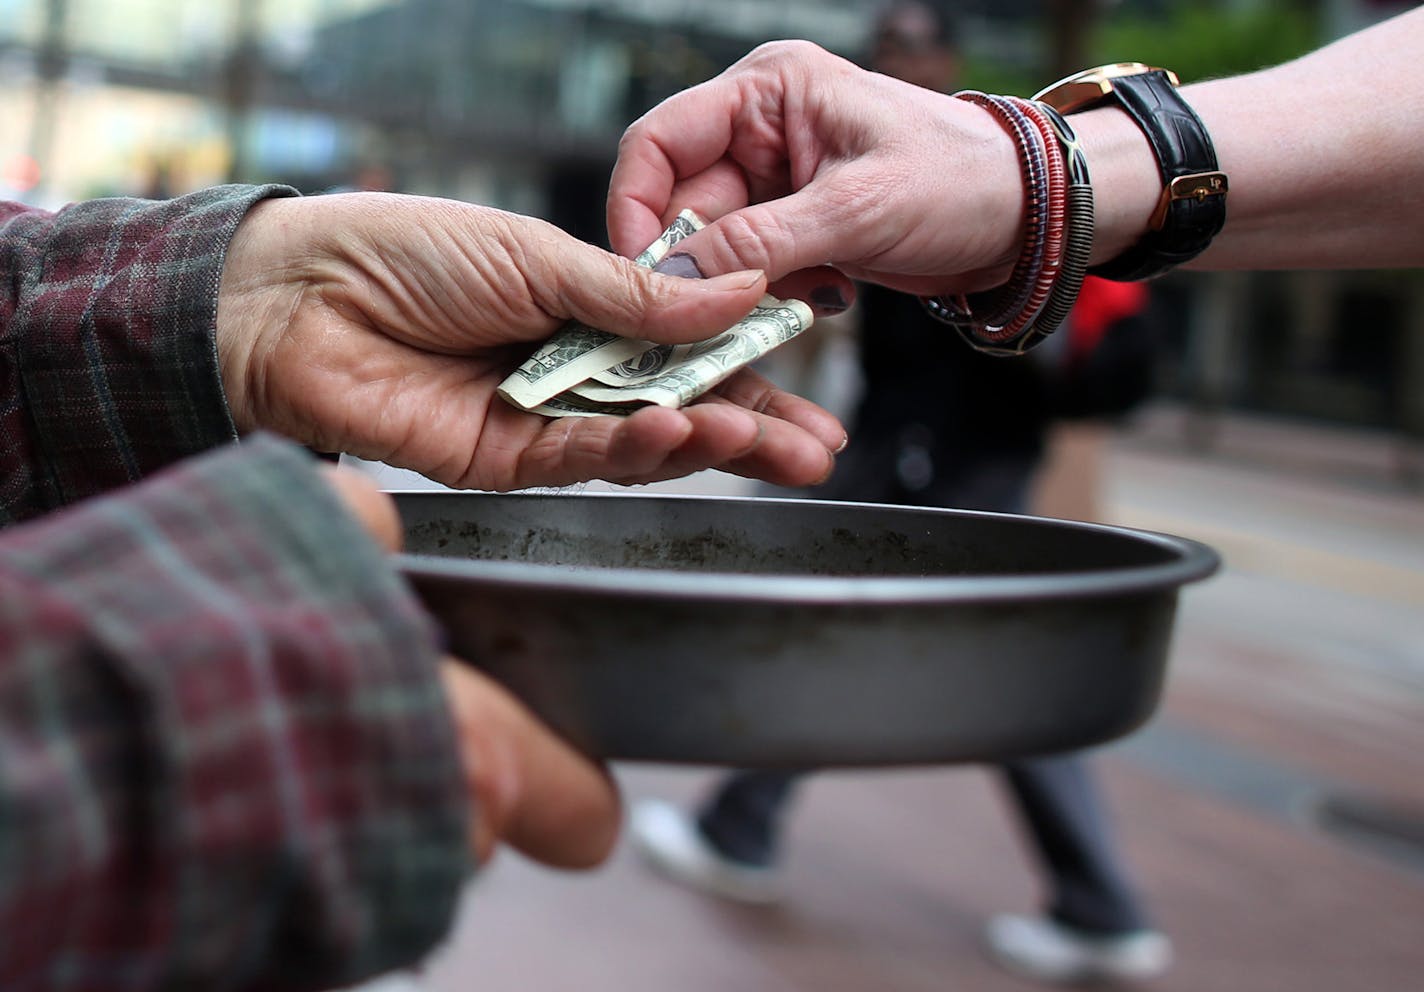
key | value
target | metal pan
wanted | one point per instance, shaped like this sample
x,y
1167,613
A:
x,y
799,633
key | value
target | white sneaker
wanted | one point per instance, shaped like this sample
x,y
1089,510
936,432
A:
x,y
1041,948
669,840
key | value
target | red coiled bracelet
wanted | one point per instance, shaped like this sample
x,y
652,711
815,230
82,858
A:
x,y
1057,237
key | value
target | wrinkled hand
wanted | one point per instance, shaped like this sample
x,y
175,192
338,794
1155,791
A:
x,y
806,160
529,788
381,325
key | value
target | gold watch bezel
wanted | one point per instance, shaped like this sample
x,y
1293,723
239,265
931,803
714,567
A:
x,y
1084,89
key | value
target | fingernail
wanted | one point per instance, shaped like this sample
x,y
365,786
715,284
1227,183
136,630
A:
x,y
829,298
735,282
680,264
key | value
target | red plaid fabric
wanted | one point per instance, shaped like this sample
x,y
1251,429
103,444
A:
x,y
108,368
225,757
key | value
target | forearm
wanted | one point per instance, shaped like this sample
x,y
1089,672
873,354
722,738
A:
x,y
1322,155
227,756
107,356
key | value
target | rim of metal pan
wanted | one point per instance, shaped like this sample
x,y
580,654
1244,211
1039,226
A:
x,y
1191,561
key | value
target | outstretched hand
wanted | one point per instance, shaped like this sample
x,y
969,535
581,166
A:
x,y
381,325
806,160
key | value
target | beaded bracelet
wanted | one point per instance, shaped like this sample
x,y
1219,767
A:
x,y
1054,298
1058,236
993,320
986,314
1047,277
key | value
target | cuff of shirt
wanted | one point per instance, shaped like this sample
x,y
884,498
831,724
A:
x,y
114,337
253,781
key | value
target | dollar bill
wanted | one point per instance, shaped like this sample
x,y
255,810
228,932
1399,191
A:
x,y
585,372
578,351
571,356
707,363
648,365
684,225
569,405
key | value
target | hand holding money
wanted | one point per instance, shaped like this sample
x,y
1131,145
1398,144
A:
x,y
585,372
381,325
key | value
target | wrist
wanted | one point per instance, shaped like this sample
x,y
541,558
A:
x,y
253,301
1054,237
1191,204
990,154
1126,182
1006,203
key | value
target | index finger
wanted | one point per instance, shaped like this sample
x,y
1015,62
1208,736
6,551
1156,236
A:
x,y
680,137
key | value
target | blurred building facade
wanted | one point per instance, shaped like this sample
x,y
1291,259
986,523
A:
x,y
460,97
520,103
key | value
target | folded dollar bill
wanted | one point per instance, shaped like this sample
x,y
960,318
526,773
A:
x,y
584,372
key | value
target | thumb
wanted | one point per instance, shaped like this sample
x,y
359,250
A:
x,y
802,230
612,294
531,788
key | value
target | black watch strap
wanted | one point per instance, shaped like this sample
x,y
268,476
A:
x,y
1193,205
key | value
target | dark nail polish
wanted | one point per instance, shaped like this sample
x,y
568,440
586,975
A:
x,y
680,264
829,298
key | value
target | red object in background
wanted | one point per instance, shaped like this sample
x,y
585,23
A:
x,y
21,172
1102,303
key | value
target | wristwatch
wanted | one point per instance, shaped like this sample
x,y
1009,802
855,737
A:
x,y
1192,207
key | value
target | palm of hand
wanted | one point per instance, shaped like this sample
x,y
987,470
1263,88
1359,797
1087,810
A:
x,y
387,331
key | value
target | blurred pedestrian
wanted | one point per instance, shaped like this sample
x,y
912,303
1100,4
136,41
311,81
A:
x,y
940,424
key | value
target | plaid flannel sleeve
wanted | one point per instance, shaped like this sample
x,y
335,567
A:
x,y
108,366
225,755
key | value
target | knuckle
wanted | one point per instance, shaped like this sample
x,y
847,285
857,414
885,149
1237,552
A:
x,y
543,460
632,136
588,449
746,235
633,298
753,393
785,50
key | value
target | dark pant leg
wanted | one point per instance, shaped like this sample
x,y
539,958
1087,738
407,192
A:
x,y
742,819
1061,808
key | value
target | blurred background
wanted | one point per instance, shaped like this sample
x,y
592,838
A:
x,y
519,104
1274,812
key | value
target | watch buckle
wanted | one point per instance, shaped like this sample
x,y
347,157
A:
x,y
1196,186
